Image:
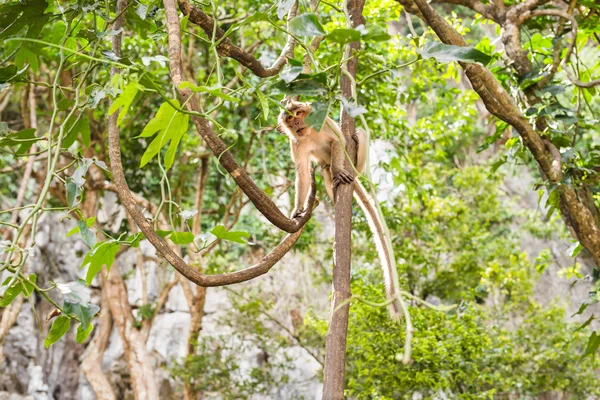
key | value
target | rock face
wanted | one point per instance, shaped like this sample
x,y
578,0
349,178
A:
x,y
29,371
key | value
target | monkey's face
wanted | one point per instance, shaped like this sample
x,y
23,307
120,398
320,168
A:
x,y
293,116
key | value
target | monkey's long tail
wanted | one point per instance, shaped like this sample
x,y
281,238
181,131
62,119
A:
x,y
384,247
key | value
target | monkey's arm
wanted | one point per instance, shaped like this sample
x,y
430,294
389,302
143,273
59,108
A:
x,y
302,183
338,170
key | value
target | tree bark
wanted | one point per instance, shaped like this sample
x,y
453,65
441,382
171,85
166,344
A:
x,y
139,363
91,366
335,342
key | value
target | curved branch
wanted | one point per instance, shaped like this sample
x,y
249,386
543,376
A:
x,y
488,11
258,197
159,243
574,26
226,47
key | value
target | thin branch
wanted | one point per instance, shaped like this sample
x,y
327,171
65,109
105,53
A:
x,y
258,197
129,202
226,48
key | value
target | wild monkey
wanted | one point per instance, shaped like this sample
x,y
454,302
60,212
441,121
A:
x,y
327,148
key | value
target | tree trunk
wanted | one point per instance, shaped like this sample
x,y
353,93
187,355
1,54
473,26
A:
x,y
91,366
143,381
335,342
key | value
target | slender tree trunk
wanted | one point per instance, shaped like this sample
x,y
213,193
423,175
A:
x,y
143,381
335,342
91,366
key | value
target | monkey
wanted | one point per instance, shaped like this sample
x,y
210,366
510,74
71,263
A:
x,y
327,148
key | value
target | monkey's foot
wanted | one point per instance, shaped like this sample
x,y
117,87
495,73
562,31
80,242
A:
x,y
298,214
342,177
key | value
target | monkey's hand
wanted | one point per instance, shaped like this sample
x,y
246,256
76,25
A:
x,y
342,176
355,138
298,213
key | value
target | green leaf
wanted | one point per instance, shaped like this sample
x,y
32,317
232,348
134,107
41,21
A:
x,y
264,104
317,117
82,126
305,87
11,73
447,53
291,70
376,33
102,254
306,25
60,326
82,333
84,312
592,345
586,323
574,250
86,234
214,90
182,237
11,293
125,100
343,36
27,286
75,183
22,139
233,236
170,125
284,7
88,222
27,15
582,308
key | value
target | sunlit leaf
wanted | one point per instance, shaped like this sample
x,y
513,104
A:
x,y
233,236
60,326
103,254
170,125
307,25
124,100
343,35
83,333
447,53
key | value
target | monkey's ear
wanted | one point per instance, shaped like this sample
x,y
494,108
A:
x,y
285,101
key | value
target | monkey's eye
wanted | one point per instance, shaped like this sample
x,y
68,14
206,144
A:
x,y
289,117
298,113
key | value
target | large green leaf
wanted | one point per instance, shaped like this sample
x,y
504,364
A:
x,y
22,140
83,333
27,14
317,117
592,345
74,129
214,90
181,237
291,70
170,125
102,254
343,35
124,100
307,25
84,312
447,53
60,326
233,236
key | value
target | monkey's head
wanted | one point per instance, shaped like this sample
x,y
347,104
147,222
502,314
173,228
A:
x,y
291,118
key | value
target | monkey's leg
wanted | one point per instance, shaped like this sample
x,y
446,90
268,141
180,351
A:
x,y
338,157
361,149
303,185
328,181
